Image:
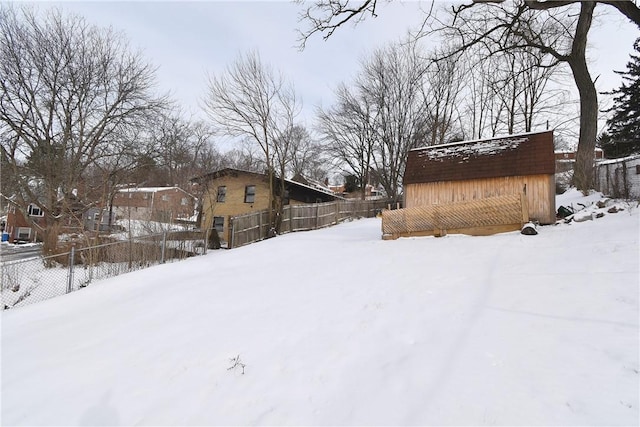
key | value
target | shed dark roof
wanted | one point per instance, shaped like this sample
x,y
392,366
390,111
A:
x,y
513,155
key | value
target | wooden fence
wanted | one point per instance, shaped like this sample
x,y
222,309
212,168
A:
x,y
249,228
474,217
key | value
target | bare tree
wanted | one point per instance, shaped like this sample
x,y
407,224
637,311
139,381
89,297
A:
x,y
307,155
500,26
392,80
376,123
69,91
444,84
250,100
245,158
510,93
348,130
182,149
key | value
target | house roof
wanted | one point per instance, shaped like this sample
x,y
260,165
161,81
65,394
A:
x,y
314,188
150,190
512,155
619,160
224,172
231,171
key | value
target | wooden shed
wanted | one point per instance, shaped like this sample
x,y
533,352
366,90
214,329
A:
x,y
474,170
477,187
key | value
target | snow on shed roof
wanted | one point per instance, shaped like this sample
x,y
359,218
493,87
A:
x,y
465,150
513,155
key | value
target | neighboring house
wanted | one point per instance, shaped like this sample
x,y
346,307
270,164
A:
x,y
97,219
370,192
565,160
619,177
474,170
18,228
231,192
162,204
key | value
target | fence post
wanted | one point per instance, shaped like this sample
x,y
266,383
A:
x,y
164,243
290,218
317,215
72,256
231,233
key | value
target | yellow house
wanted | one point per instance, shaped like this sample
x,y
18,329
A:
x,y
231,192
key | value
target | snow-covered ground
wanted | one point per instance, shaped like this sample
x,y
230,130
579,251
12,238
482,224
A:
x,y
338,327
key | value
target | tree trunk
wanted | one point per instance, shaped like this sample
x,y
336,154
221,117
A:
x,y
50,237
583,169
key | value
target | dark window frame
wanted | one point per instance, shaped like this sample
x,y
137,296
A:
x,y
249,193
218,223
222,194
34,210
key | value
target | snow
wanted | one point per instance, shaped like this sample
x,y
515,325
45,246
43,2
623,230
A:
x,y
465,150
139,228
618,160
498,330
147,189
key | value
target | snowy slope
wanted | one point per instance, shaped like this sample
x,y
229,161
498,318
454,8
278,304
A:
x,y
337,327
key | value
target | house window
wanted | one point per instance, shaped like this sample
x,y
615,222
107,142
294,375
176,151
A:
x,y
222,194
637,169
24,233
34,210
145,196
165,198
218,223
249,193
183,201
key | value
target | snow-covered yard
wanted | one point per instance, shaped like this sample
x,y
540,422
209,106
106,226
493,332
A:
x,y
338,327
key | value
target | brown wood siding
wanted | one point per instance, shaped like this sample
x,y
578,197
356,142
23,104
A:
x,y
540,191
516,155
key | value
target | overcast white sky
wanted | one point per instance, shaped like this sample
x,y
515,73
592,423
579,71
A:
x,y
185,40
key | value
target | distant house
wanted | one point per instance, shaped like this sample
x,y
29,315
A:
x,y
97,219
231,192
565,160
162,204
370,192
16,226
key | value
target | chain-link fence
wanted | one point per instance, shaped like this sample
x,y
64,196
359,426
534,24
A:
x,y
28,281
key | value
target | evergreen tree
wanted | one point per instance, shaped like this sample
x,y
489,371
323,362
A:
x,y
624,125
